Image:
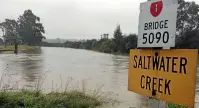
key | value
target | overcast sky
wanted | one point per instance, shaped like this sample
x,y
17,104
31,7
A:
x,y
78,19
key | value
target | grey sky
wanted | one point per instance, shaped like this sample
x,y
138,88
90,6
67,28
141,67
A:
x,y
78,19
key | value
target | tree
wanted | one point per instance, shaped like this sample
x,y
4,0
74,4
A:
x,y
118,38
187,22
187,17
10,27
30,28
191,40
118,34
130,42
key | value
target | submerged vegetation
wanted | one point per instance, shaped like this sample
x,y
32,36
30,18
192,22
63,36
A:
x,y
20,47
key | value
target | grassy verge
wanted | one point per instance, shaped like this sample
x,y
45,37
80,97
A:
x,y
65,99
20,48
65,96
171,105
32,99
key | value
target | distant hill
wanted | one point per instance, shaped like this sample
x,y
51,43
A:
x,y
58,40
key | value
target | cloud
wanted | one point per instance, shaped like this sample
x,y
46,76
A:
x,y
78,19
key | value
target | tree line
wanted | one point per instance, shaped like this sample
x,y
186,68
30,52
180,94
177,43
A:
x,y
120,43
187,33
27,29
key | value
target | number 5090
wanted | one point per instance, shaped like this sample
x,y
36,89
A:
x,y
159,37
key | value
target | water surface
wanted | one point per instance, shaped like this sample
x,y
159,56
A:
x,y
62,66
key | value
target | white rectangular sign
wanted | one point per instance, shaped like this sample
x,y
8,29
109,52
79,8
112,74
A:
x,y
157,23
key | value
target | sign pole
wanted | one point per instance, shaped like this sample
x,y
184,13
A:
x,y
155,103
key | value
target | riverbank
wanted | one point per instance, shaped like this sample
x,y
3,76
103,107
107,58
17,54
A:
x,y
10,48
34,99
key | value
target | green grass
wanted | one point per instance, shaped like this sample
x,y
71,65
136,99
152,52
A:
x,y
171,105
32,99
20,47
61,97
10,48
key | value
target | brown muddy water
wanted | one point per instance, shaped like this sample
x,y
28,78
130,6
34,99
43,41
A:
x,y
56,68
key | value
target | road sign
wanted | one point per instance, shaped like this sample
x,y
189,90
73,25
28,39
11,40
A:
x,y
157,23
168,75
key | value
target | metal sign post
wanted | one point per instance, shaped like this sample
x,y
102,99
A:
x,y
154,103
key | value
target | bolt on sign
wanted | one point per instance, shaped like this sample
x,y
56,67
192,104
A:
x,y
168,75
157,23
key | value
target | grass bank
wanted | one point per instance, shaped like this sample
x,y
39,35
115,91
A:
x,y
14,94
33,99
20,48
171,105
66,99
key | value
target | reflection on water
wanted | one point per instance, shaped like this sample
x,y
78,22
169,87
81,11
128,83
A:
x,y
31,67
22,68
120,65
108,70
